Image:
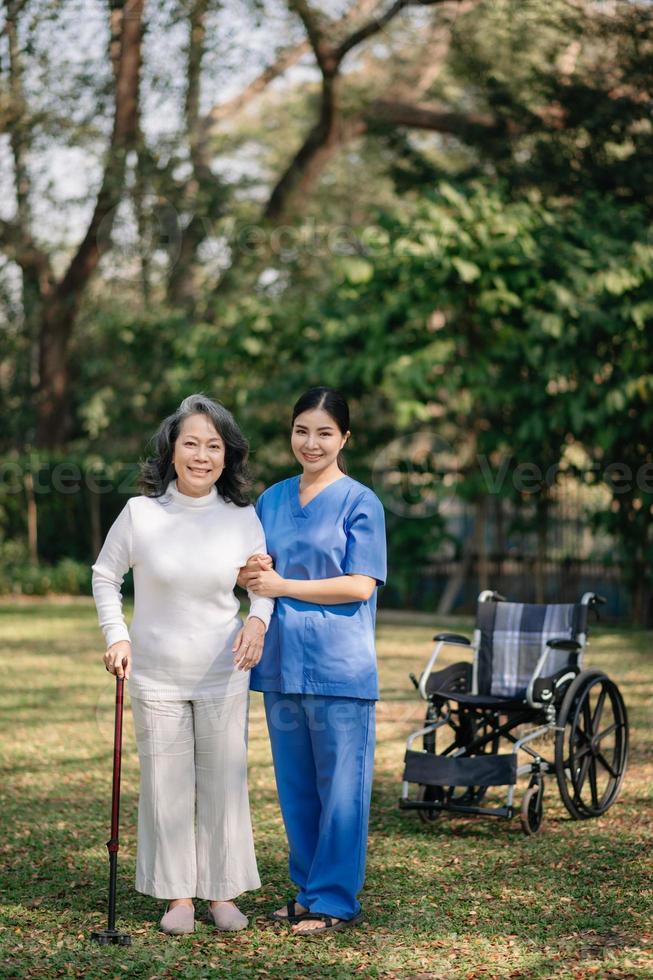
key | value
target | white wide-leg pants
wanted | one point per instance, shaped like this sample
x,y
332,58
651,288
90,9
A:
x,y
194,827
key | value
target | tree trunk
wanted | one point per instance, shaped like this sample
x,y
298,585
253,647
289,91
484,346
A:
x,y
32,519
307,157
60,310
54,421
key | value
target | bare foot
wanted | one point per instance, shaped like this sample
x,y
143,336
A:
x,y
179,901
312,925
283,912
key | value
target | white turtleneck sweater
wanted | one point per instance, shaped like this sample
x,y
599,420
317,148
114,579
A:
x,y
186,553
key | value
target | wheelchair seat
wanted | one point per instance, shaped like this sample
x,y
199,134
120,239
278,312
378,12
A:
x,y
480,700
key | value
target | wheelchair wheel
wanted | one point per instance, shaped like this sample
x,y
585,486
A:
x,y
436,793
532,807
591,746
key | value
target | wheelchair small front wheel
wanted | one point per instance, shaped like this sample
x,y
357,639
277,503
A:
x,y
532,808
429,794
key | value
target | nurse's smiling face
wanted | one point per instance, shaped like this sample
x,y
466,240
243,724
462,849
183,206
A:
x,y
316,441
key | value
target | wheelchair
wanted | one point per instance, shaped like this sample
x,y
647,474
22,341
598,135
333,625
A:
x,y
526,684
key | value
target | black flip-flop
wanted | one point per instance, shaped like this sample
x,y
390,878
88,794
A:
x,y
329,924
292,915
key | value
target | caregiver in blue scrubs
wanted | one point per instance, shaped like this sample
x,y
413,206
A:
x,y
325,535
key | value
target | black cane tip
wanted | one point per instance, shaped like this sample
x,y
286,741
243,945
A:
x,y
107,937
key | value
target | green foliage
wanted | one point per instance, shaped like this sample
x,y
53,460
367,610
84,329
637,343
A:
x,y
506,310
508,328
19,576
569,87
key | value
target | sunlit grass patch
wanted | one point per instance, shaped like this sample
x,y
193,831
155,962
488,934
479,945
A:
x,y
467,899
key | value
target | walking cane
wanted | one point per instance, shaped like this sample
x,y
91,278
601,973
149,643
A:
x,y
111,934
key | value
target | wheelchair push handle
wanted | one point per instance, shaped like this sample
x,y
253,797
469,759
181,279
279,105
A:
x,y
593,599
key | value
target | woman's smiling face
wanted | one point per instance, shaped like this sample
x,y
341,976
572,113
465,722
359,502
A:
x,y
316,440
198,455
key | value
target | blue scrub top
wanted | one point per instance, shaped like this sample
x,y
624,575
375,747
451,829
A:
x,y
312,648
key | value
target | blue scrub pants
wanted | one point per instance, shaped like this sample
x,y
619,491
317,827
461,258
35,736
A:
x,y
323,752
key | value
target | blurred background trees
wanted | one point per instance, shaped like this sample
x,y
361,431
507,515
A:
x,y
443,208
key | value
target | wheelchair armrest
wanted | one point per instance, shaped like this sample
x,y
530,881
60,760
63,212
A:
x,y
456,678
452,638
441,639
541,688
547,690
542,691
570,645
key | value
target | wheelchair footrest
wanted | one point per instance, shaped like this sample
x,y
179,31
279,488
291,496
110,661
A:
x,y
449,807
445,770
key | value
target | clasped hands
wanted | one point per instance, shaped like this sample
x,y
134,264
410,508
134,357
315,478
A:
x,y
259,576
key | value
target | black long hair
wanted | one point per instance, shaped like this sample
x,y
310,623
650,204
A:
x,y
158,470
331,401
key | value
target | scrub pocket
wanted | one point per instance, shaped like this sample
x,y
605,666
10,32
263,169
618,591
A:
x,y
339,652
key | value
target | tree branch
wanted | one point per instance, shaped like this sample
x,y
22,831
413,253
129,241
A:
x,y
376,24
225,110
373,26
123,138
196,46
202,193
286,58
429,117
19,246
59,313
327,131
324,52
20,129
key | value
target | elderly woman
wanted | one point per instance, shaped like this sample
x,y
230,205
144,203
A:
x,y
187,656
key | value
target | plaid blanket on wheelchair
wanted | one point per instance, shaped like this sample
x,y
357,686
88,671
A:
x,y
513,637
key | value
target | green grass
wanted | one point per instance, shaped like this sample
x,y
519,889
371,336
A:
x,y
468,899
